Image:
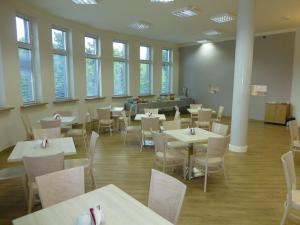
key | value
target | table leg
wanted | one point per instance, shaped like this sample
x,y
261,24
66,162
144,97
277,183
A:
x,y
190,153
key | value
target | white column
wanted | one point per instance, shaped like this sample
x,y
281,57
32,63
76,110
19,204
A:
x,y
242,75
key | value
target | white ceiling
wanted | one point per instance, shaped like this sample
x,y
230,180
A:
x,y
116,15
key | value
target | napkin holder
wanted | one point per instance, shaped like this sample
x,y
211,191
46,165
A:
x,y
192,131
57,117
45,143
97,215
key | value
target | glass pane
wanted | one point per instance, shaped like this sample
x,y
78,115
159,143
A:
x,y
90,45
60,76
120,78
59,39
119,50
165,79
166,55
27,85
144,53
92,77
23,31
145,79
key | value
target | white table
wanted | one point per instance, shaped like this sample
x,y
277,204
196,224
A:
x,y
195,111
34,149
65,120
119,209
139,117
183,135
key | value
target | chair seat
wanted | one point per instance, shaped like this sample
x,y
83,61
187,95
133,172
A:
x,y
176,144
12,173
76,132
170,157
296,198
71,163
106,122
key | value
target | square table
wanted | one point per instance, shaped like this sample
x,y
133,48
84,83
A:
x,y
34,148
139,117
195,110
65,120
119,209
183,135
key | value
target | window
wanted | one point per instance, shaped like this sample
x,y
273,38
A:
x,y
92,66
145,70
120,54
26,55
167,70
60,63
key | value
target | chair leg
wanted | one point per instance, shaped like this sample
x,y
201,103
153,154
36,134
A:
x,y
93,179
30,200
205,179
110,130
99,127
285,214
85,144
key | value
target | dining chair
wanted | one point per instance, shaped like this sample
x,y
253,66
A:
x,y
104,118
204,119
87,163
129,128
45,124
60,186
292,197
219,114
37,166
49,133
185,122
83,132
294,134
194,116
27,125
166,195
148,125
195,106
213,161
151,110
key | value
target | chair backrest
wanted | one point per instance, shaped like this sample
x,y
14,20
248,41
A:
x,y
103,114
47,133
38,166
294,130
219,128
160,143
125,119
63,113
171,125
217,146
220,112
60,186
150,124
177,115
287,160
92,148
204,115
195,106
27,125
176,108
50,123
153,111
166,195
86,125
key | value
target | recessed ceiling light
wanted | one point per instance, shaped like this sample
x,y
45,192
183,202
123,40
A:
x,y
161,1
139,25
186,12
203,41
212,32
85,2
222,18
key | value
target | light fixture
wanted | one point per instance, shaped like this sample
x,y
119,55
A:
x,y
140,25
85,2
212,32
203,41
161,1
185,12
222,18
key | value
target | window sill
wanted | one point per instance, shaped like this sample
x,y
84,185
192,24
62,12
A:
x,y
167,94
145,96
121,96
94,98
65,101
5,109
31,105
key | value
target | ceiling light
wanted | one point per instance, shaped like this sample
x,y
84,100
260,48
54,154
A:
x,y
222,18
186,12
203,41
85,2
212,32
139,25
161,1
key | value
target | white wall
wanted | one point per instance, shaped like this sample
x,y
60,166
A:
x,y
11,128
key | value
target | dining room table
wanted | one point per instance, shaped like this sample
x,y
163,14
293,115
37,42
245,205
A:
x,y
195,110
138,117
65,120
119,208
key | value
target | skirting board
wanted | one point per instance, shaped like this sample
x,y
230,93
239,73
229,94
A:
x,y
240,149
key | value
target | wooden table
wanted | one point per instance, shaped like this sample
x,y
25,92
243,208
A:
x,y
33,148
119,209
139,117
65,120
183,135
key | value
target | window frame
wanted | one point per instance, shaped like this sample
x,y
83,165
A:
x,y
123,60
169,64
150,63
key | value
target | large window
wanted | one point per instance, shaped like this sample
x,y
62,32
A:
x,y
145,70
120,54
25,51
167,71
92,66
60,63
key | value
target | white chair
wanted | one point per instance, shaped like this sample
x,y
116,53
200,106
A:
x,y
60,186
153,111
37,166
173,144
219,114
148,125
129,128
195,106
104,118
166,195
83,132
49,133
204,119
27,125
294,133
213,161
45,124
185,122
293,195
63,113
88,163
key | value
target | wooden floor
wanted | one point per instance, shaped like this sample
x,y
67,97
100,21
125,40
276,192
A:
x,y
254,196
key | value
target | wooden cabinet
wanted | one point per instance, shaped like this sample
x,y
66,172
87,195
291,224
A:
x,y
276,113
